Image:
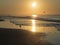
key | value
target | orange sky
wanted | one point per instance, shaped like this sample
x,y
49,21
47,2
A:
x,y
24,7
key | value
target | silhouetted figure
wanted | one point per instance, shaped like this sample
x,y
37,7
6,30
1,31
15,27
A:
x,y
20,26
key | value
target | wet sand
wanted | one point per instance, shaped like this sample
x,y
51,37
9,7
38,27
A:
x,y
21,37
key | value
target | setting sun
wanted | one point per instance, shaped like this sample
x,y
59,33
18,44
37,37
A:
x,y
34,4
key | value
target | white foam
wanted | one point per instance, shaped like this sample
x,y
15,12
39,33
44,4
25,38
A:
x,y
7,24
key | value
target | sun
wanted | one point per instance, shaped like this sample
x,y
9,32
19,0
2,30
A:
x,y
34,4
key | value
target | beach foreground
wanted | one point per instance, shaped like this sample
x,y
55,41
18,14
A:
x,y
21,37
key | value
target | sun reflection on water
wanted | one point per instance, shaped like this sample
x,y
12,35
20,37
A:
x,y
33,26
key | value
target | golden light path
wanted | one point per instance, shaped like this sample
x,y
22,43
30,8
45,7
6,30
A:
x,y
34,16
33,26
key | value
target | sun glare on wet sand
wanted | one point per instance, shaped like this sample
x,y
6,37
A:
x,y
33,26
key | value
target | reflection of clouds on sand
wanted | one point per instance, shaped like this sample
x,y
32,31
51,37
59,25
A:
x,y
54,37
56,25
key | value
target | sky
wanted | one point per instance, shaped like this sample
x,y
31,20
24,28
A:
x,y
24,7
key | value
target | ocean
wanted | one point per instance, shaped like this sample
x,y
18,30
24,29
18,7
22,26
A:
x,y
49,25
